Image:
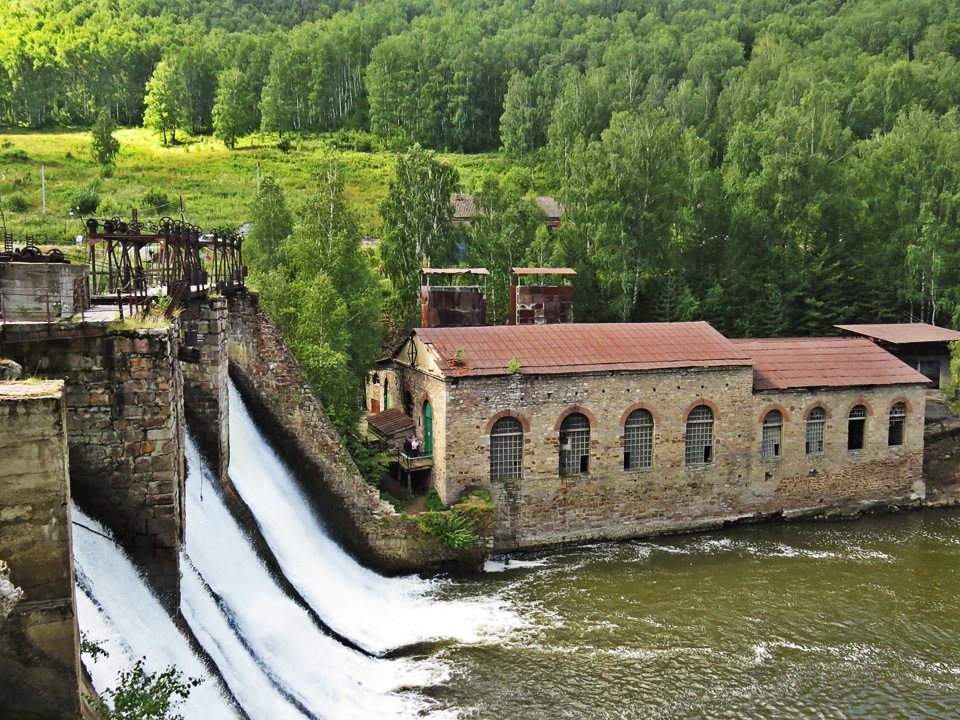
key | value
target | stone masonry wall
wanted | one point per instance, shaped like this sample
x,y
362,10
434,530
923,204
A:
x,y
544,508
124,399
39,659
273,384
205,383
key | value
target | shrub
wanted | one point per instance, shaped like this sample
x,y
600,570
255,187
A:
x,y
14,156
284,145
434,503
16,202
452,528
155,202
106,171
85,199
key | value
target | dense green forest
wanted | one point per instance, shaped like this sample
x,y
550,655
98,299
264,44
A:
x,y
771,166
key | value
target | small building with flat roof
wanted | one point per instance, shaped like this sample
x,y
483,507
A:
x,y
603,431
922,346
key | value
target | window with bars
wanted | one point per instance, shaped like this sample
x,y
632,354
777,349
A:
x,y
898,417
506,449
638,440
772,434
856,428
575,445
816,420
699,448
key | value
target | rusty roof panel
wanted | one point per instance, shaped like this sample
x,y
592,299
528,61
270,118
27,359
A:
x,y
389,422
903,333
543,271
782,363
581,347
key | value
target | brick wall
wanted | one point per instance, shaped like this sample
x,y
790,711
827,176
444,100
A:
x,y
124,399
39,658
609,502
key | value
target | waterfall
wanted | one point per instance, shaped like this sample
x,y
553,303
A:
x,y
273,656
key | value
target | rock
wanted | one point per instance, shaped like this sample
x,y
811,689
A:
x,y
9,594
9,370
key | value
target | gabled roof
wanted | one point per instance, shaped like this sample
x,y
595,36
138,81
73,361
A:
x,y
782,363
465,207
389,422
903,333
580,347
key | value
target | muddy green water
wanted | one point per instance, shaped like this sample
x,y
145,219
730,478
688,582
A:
x,y
838,620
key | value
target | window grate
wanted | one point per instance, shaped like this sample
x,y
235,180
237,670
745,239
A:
x,y
699,446
816,420
772,434
638,440
898,416
506,449
856,428
575,445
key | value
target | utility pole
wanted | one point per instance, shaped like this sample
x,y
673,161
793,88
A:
x,y
43,189
258,177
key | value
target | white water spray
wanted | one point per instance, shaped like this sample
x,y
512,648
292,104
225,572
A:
x,y
377,613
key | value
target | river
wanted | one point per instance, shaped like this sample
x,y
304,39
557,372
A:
x,y
839,620
807,620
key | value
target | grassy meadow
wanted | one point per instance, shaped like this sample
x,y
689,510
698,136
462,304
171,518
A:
x,y
217,185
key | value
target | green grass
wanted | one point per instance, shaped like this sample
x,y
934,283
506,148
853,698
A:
x,y
217,185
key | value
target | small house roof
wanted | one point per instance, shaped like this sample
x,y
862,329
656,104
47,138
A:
x,y
580,347
454,271
903,333
390,422
544,271
465,206
783,363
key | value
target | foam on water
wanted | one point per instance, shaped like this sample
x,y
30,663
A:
x,y
377,613
117,610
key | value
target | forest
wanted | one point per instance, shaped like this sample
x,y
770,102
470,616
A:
x,y
771,166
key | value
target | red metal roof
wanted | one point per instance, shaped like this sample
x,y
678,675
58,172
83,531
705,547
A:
x,y
581,347
781,363
389,422
903,333
543,271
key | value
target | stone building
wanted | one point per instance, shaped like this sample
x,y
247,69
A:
x,y
925,347
605,431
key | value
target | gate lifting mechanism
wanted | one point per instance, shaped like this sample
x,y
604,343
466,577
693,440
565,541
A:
x,y
169,255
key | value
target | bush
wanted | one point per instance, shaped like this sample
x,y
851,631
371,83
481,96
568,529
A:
x,y
155,202
16,202
106,171
14,156
85,199
284,145
452,528
434,503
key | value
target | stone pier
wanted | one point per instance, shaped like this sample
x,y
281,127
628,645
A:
x,y
203,338
39,658
124,409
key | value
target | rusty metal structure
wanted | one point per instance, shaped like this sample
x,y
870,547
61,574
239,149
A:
x,y
453,305
135,260
540,303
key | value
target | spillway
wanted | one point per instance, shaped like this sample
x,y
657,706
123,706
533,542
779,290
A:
x,y
272,654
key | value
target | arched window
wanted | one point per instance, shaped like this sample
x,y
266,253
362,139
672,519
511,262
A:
x,y
856,428
699,450
898,417
506,449
816,419
772,434
575,444
638,440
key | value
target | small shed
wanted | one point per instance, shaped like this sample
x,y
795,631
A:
x,y
923,346
535,300
445,302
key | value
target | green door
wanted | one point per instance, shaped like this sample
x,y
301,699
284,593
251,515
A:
x,y
427,428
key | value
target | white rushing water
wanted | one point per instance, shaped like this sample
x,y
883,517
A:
x,y
273,656
117,610
377,613
271,653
